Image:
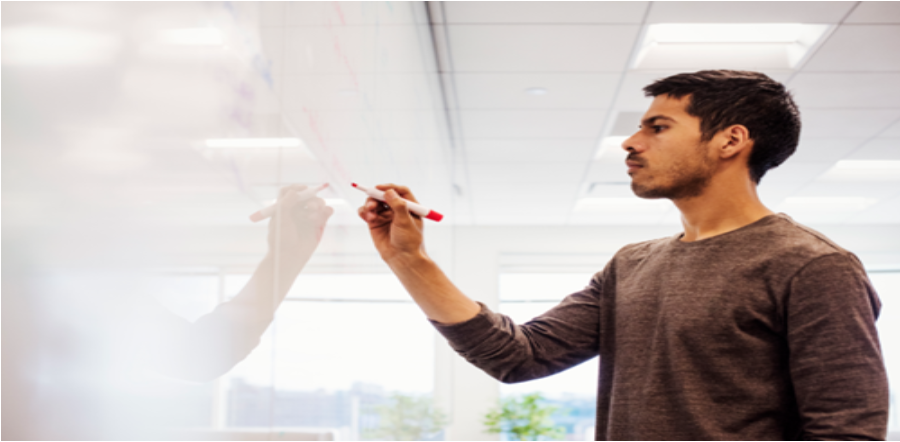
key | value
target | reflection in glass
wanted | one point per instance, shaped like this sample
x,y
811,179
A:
x,y
127,281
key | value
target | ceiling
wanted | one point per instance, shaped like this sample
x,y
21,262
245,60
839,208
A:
x,y
432,96
848,91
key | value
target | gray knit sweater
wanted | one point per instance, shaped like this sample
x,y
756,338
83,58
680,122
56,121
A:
x,y
764,332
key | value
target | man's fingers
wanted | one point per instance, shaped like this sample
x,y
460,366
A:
x,y
375,212
401,213
402,191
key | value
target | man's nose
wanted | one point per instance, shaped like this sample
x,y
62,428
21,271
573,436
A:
x,y
631,143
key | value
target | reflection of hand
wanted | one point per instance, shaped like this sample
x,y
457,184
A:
x,y
298,223
395,231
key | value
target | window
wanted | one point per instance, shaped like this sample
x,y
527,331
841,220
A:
x,y
340,346
526,295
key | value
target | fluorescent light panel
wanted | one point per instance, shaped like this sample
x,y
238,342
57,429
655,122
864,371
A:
x,y
253,142
864,170
727,45
726,33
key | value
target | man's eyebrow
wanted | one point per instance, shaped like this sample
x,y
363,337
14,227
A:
x,y
650,120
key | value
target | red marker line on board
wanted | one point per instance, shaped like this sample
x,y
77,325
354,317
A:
x,y
269,211
416,208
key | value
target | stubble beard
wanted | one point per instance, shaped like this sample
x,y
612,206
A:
x,y
688,180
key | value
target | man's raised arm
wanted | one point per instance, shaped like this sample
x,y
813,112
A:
x,y
560,338
398,237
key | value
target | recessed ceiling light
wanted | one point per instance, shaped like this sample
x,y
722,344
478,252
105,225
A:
x,y
727,45
192,37
864,170
253,142
621,205
536,91
828,204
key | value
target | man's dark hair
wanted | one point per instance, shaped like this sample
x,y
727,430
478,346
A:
x,y
724,98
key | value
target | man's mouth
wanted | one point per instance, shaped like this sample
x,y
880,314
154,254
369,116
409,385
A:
x,y
633,165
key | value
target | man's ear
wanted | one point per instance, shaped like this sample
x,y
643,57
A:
x,y
733,140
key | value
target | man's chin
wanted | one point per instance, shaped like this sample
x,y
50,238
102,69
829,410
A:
x,y
647,192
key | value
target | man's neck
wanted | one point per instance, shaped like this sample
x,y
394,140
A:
x,y
722,207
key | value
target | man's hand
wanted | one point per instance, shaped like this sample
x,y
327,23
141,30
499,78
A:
x,y
397,233
298,223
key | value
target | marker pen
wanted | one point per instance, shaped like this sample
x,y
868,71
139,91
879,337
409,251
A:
x,y
416,208
269,211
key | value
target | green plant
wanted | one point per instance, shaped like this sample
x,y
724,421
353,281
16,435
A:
x,y
406,417
524,418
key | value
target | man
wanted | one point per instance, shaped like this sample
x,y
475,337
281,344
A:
x,y
747,325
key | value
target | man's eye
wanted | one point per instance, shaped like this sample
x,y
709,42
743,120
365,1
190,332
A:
x,y
657,129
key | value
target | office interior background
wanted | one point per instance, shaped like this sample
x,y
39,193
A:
x,y
138,137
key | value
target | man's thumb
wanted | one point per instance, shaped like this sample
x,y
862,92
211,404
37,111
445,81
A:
x,y
398,205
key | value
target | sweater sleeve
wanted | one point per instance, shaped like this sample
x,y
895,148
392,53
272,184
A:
x,y
564,336
836,364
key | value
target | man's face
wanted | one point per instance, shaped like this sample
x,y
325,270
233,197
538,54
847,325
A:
x,y
666,158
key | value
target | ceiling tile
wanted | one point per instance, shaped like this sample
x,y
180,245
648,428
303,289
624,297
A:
x,y
820,189
339,14
541,48
855,48
631,94
524,172
527,124
608,173
537,188
875,12
878,149
545,12
773,194
821,123
792,172
886,211
614,218
815,217
603,190
846,90
524,203
521,218
824,149
626,123
892,132
508,91
529,149
748,12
